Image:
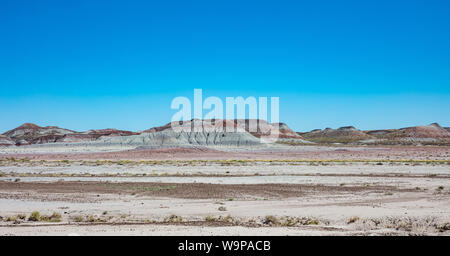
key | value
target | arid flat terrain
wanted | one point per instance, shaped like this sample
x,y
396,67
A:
x,y
271,190
198,178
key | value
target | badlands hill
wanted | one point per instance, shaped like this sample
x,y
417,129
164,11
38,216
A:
x,y
429,134
28,134
33,134
241,132
346,134
193,132
432,134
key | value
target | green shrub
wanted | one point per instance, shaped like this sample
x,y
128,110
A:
x,y
35,216
353,219
271,220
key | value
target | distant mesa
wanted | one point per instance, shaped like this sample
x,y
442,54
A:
x,y
192,132
432,134
429,134
29,133
237,132
33,134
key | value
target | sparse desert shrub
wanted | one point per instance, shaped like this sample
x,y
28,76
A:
x,y
55,217
444,227
352,219
35,216
309,221
227,218
289,222
174,218
78,218
222,208
210,218
92,218
271,220
21,216
11,218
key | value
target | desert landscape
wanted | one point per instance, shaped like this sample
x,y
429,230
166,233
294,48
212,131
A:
x,y
196,178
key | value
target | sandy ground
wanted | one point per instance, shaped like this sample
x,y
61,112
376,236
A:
x,y
269,151
226,198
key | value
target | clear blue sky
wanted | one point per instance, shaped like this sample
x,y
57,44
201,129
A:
x,y
98,64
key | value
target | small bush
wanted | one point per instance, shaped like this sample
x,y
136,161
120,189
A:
x,y
289,222
222,208
353,219
309,221
92,218
78,218
11,218
271,220
444,227
227,218
210,218
174,218
35,216
55,217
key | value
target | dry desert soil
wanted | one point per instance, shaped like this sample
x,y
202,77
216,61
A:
x,y
272,190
